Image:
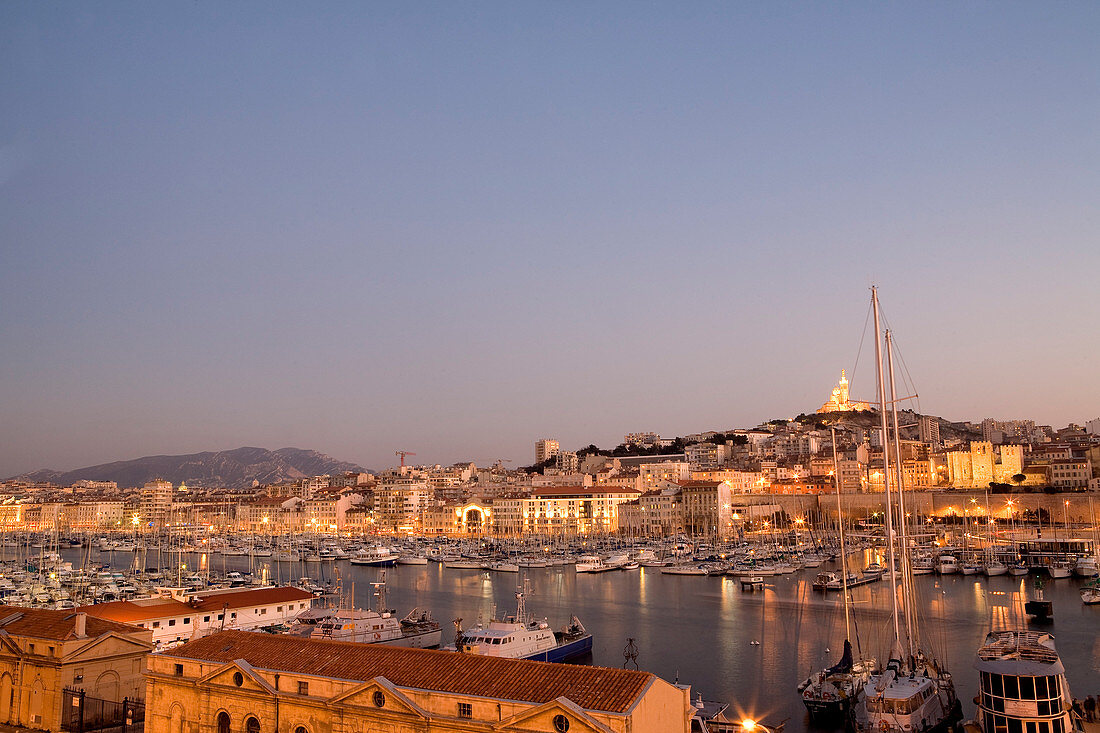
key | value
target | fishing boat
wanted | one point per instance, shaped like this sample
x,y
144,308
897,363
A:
x,y
1023,684
522,637
913,692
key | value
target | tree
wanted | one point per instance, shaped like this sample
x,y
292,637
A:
x,y
1019,478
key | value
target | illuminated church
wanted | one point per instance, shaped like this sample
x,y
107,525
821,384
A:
x,y
839,401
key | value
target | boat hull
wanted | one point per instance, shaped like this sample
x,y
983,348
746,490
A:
x,y
385,562
565,652
423,640
827,711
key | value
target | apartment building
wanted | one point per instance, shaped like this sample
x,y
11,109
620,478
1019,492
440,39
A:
x,y
546,449
561,510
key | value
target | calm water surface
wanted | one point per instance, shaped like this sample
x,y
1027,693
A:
x,y
701,630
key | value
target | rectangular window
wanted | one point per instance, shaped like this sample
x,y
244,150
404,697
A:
x,y
187,620
1012,687
171,622
465,710
303,688
206,619
278,609
179,670
156,624
1027,688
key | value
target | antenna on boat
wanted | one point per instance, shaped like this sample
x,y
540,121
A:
x,y
521,594
380,591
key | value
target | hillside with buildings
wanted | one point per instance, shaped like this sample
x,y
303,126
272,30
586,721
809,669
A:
x,y
715,481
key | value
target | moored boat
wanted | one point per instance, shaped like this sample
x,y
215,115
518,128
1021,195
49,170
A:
x,y
1023,685
522,637
417,629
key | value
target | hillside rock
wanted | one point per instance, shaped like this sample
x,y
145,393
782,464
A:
x,y
233,469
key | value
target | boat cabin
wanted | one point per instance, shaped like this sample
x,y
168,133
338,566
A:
x,y
1023,687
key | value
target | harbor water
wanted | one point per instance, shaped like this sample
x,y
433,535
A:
x,y
747,648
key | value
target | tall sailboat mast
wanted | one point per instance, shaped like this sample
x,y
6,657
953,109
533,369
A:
x,y
843,550
906,575
885,463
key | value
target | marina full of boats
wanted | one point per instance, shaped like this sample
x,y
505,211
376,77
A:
x,y
330,579
33,572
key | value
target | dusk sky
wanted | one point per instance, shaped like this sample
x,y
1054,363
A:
x,y
455,228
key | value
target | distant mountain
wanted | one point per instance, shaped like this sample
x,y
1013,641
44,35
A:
x,y
233,469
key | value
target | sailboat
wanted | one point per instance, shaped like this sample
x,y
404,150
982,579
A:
x,y
913,692
831,694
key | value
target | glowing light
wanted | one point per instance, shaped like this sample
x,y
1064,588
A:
x,y
748,724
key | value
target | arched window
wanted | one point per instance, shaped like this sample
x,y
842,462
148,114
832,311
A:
x,y
301,729
223,722
252,724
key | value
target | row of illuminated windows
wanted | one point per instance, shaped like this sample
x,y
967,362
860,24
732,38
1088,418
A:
x,y
1004,724
1043,708
232,615
1021,688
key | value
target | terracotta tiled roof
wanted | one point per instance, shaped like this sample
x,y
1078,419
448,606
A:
x,y
593,688
41,623
154,608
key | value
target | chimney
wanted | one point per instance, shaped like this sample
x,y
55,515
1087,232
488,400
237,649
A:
x,y
81,625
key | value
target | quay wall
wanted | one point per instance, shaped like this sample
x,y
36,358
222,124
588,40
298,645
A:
x,y
938,503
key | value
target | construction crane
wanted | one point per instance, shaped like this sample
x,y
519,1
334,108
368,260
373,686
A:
x,y
403,453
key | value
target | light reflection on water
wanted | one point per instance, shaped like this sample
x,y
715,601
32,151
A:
x,y
699,629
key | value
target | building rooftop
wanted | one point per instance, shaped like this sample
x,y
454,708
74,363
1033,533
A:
x,y
552,491
154,608
593,688
41,623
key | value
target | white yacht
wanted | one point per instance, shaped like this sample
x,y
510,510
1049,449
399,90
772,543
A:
x,y
1060,568
375,556
522,637
417,630
1085,567
594,564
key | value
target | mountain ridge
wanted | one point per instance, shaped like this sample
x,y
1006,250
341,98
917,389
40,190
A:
x,y
234,469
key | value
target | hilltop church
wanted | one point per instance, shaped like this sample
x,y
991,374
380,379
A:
x,y
839,401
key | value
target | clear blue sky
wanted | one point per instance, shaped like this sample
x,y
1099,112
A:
x,y
455,228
